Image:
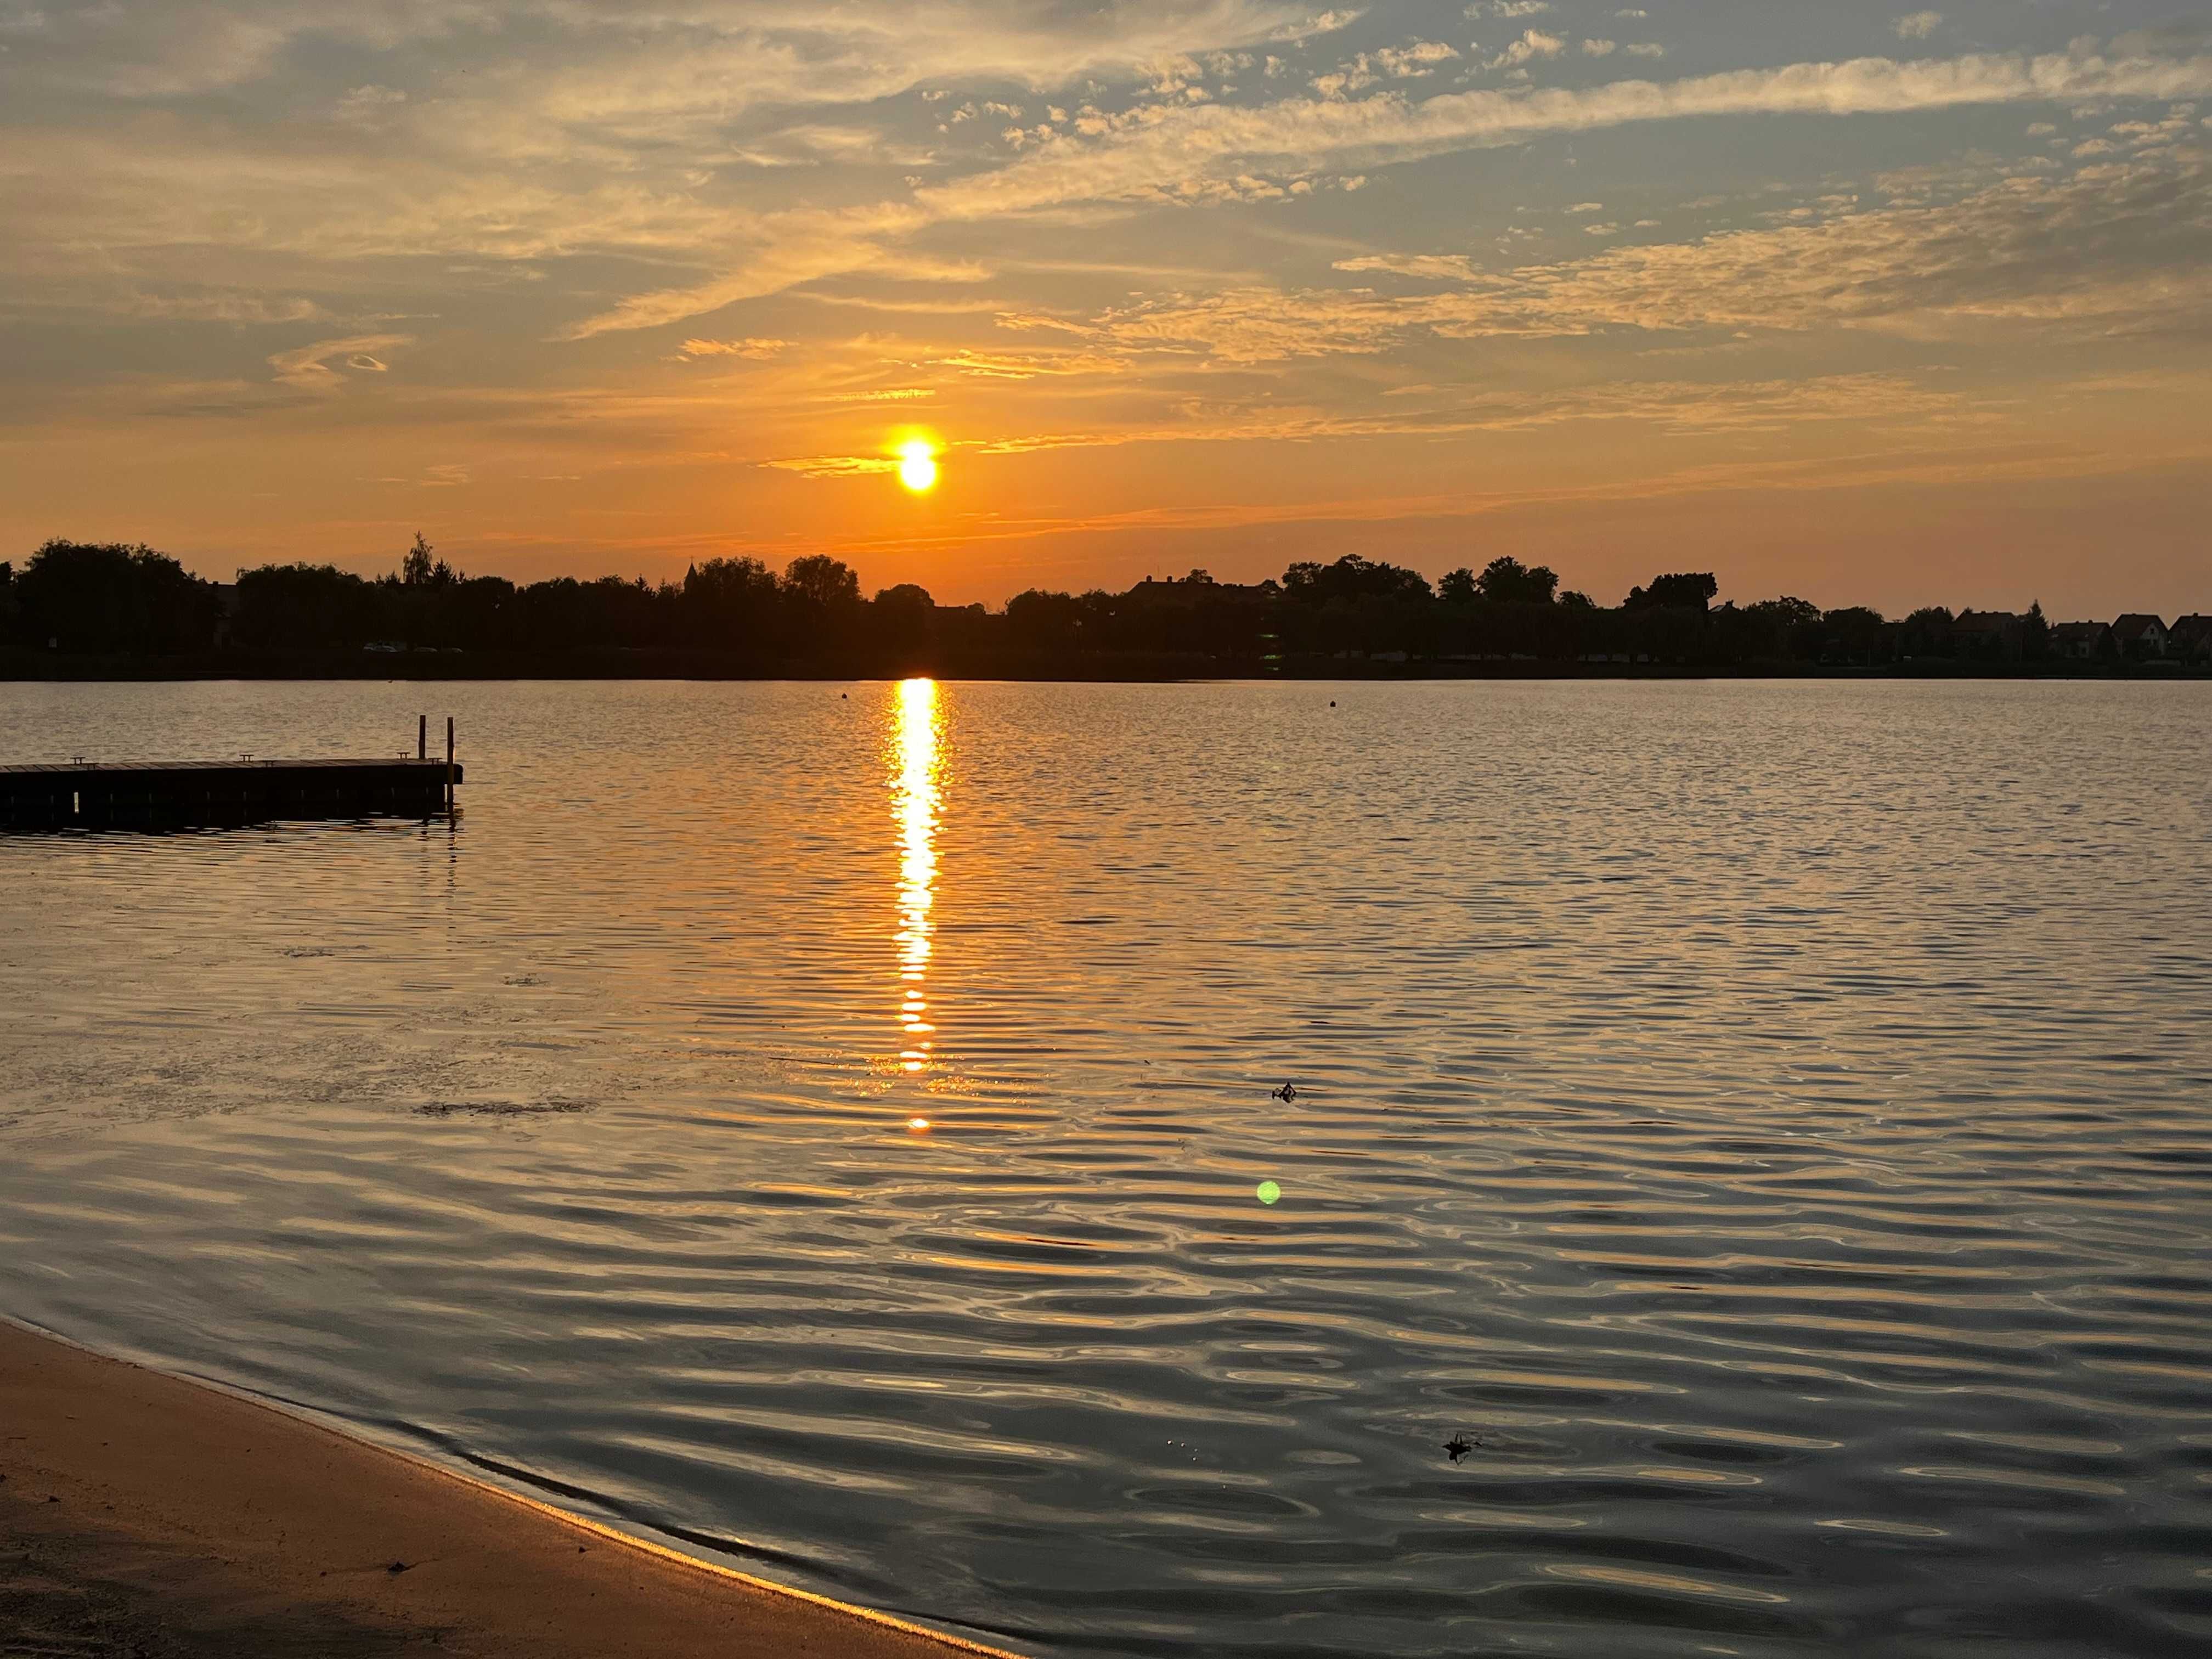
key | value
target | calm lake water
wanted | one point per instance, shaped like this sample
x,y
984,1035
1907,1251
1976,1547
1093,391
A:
x,y
1772,1119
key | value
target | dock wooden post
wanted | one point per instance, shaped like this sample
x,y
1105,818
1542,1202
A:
x,y
422,737
449,762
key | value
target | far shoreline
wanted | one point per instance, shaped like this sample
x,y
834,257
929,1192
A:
x,y
1134,668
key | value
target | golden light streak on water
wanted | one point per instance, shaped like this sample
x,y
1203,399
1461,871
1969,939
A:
x,y
916,796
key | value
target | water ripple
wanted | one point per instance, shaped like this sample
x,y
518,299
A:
x,y
826,1131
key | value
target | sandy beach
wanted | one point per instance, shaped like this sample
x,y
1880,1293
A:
x,y
144,1515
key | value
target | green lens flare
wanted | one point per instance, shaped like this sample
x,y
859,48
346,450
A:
x,y
1269,1192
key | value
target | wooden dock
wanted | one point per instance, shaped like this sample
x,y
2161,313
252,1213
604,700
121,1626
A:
x,y
220,792
98,795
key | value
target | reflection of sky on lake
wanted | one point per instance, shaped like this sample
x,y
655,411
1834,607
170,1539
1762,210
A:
x,y
916,793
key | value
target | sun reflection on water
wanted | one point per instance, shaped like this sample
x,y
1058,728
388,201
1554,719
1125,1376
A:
x,y
916,792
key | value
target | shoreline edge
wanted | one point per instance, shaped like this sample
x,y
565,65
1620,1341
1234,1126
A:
x,y
134,1501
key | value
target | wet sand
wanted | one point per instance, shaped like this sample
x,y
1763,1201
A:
x,y
144,1515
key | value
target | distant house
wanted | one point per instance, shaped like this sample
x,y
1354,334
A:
x,y
2191,638
2081,641
2139,635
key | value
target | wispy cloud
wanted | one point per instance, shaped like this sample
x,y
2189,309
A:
x,y
834,466
756,347
674,57
1029,365
1449,267
324,366
1173,151
2109,248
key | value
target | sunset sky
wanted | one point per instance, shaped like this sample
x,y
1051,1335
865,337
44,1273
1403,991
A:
x,y
1833,299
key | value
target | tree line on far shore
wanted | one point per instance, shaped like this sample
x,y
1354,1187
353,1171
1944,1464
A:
x,y
82,600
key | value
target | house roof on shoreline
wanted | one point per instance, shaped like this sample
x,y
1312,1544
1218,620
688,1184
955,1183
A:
x,y
2139,625
2193,632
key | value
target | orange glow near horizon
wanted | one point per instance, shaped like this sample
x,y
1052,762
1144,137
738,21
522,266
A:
x,y
916,795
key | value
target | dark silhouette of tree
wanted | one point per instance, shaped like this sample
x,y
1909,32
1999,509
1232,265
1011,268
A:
x,y
723,583
1774,629
1352,577
904,620
1682,591
1931,631
1789,612
608,614
418,569
108,597
1856,634
729,604
736,615
1046,622
293,606
1508,581
906,597
820,608
822,582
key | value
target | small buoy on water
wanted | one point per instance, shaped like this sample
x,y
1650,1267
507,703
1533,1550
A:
x,y
917,1124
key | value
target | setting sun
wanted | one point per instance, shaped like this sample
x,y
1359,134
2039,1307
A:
x,y
917,467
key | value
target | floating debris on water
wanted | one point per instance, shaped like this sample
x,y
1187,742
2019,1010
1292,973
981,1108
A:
x,y
1459,1446
1287,1093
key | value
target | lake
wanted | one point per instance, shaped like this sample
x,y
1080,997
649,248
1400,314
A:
x,y
825,1126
